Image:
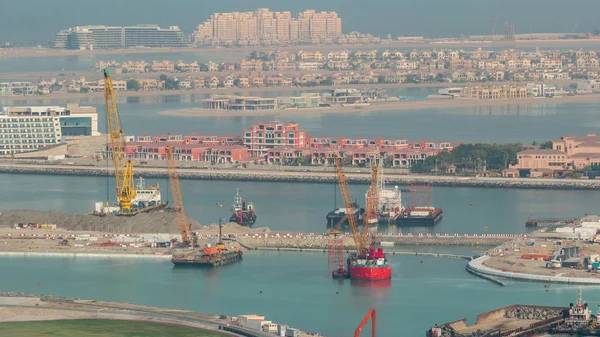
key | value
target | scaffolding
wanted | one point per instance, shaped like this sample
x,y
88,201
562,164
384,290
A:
x,y
335,251
420,196
509,31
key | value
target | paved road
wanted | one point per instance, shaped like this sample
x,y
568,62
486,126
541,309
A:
x,y
184,318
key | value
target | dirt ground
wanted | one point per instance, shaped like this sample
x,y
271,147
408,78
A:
x,y
510,259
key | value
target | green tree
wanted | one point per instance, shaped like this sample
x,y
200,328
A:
x,y
133,85
546,145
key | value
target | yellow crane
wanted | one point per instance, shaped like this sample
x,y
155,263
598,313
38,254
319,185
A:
x,y
123,167
359,239
187,237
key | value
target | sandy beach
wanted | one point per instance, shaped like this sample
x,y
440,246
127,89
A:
x,y
383,106
255,90
45,52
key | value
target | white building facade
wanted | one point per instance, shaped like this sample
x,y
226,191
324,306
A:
x,y
25,129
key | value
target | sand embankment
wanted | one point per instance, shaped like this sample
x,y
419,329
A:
x,y
384,106
46,52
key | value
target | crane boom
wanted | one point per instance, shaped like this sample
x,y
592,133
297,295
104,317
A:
x,y
123,167
352,220
371,207
181,218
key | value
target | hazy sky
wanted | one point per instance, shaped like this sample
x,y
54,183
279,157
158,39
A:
x,y
36,21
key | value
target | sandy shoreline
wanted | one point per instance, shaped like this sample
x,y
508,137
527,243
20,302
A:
x,y
221,91
382,106
45,52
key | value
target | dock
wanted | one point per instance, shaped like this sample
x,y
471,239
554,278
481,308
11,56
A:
x,y
533,222
515,321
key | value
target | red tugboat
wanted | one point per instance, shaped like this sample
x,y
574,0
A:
x,y
367,263
242,212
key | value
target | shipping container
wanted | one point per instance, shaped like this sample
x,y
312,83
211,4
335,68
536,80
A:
x,y
535,256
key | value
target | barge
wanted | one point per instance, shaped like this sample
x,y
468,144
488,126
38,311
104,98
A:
x,y
209,257
372,266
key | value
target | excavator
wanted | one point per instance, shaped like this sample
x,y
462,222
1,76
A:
x,y
189,239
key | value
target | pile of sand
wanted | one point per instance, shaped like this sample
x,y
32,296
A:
x,y
154,222
232,228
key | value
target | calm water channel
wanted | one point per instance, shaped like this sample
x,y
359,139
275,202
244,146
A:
x,y
502,123
302,207
296,289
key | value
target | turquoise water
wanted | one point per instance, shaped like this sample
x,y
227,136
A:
x,y
303,207
296,289
502,123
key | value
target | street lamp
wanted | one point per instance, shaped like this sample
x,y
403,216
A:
x,y
436,166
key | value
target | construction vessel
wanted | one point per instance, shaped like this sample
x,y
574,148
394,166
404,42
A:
x,y
391,211
367,263
190,255
131,199
339,216
210,257
242,212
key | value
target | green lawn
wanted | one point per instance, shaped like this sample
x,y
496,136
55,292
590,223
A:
x,y
99,328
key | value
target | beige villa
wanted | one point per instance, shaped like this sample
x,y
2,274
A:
x,y
567,153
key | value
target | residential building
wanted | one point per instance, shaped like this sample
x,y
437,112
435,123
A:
x,y
240,103
265,27
305,100
262,137
105,37
25,129
568,152
17,88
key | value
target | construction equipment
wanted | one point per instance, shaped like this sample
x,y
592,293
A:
x,y
188,238
123,167
361,245
372,315
335,253
367,263
371,212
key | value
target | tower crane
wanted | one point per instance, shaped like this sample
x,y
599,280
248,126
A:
x,y
187,237
123,167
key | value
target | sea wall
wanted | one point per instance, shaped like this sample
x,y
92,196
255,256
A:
x,y
477,266
88,255
491,315
307,177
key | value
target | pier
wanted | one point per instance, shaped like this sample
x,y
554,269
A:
x,y
532,222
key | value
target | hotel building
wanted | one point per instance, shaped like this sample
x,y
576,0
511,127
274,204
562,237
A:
x,y
25,129
264,26
105,37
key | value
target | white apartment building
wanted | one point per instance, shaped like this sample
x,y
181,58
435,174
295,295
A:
x,y
25,129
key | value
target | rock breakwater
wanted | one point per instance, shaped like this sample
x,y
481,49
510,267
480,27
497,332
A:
x,y
307,177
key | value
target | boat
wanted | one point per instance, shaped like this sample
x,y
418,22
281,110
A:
x,y
340,273
579,321
242,212
372,266
339,216
209,257
391,211
147,198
